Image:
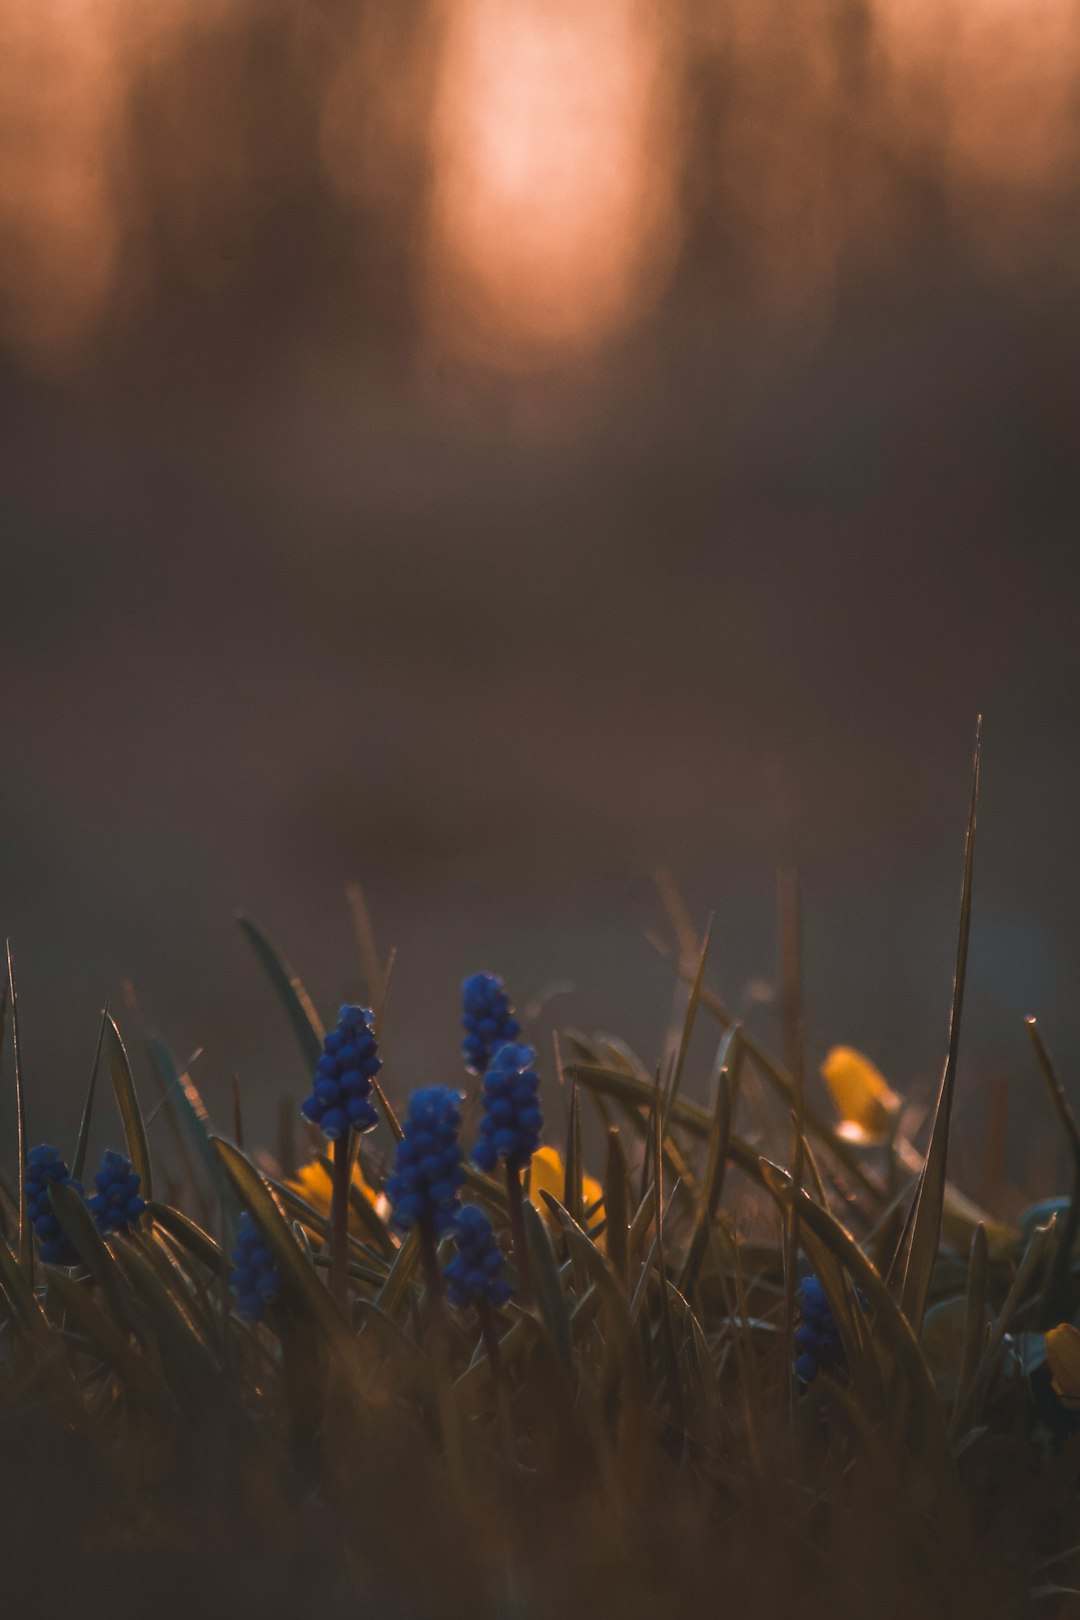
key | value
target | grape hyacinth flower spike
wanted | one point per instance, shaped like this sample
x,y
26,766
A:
x,y
817,1337
428,1171
340,1098
511,1122
45,1168
488,1020
475,1275
255,1280
117,1202
340,1104
510,1129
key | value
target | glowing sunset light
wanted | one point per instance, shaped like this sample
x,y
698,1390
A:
x,y
552,215
58,86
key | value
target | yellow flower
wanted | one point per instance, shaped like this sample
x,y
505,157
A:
x,y
867,1105
1063,1357
548,1174
312,1182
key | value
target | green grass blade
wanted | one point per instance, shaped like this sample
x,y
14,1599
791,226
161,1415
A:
x,y
299,1279
128,1103
26,1236
78,1226
572,1159
726,1071
79,1161
191,1236
547,1284
299,1008
687,1028
194,1120
400,1275
617,1207
922,1234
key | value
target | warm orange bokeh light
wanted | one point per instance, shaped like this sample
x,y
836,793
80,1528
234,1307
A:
x,y
553,215
59,89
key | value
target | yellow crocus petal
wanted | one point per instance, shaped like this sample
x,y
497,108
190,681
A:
x,y
865,1101
548,1174
312,1182
1063,1357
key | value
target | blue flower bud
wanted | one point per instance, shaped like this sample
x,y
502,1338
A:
x,y
511,1122
488,1020
425,1186
46,1168
475,1271
255,1280
117,1203
341,1086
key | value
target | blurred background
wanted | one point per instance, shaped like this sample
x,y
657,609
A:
x,y
489,449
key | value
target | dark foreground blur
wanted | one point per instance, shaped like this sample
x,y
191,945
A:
x,y
488,454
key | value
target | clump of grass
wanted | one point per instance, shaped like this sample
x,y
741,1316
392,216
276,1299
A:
x,y
858,1398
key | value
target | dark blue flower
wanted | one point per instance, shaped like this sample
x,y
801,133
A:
x,y
511,1122
427,1165
341,1089
817,1337
488,1020
255,1279
45,1168
476,1271
117,1202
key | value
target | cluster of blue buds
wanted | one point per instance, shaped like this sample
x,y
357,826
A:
x,y
817,1338
511,1123
117,1202
46,1168
341,1091
428,1171
475,1272
488,1020
255,1280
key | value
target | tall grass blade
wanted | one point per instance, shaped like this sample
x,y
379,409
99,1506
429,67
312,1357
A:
x,y
547,1284
79,1161
617,1207
298,1005
128,1103
400,1275
687,1027
193,1120
78,1225
922,1234
726,1071
26,1236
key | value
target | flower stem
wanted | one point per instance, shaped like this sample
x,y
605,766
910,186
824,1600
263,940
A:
x,y
339,1219
516,1201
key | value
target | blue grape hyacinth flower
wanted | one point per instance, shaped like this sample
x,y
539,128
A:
x,y
488,1020
817,1337
117,1202
340,1098
45,1168
255,1280
511,1122
428,1170
476,1271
